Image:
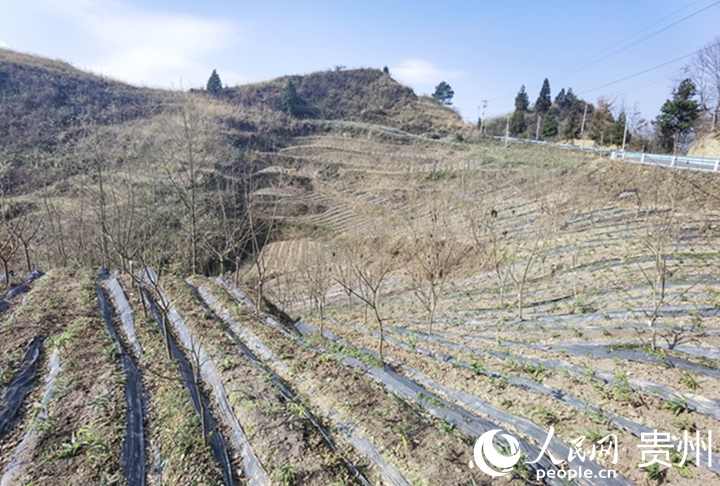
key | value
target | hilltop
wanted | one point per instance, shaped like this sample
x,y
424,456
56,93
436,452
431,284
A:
x,y
44,100
50,108
362,95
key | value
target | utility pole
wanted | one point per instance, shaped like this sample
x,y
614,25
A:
x,y
507,131
582,129
482,118
627,120
537,130
625,132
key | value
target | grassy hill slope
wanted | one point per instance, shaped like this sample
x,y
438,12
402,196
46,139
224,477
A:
x,y
362,95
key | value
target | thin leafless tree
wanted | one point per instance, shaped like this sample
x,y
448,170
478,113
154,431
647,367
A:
x,y
434,255
373,261
705,73
317,277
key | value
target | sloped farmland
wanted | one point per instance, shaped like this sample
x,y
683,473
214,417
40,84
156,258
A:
x,y
577,296
408,310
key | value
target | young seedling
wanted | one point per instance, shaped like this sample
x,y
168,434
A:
x,y
689,380
536,372
285,474
447,428
685,423
677,405
592,434
546,417
402,431
675,459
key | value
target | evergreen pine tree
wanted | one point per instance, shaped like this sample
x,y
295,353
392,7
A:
x,y
517,124
444,93
549,126
618,131
214,85
544,102
560,98
522,102
573,124
678,116
570,97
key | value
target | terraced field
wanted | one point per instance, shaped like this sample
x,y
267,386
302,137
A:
x,y
614,266
541,331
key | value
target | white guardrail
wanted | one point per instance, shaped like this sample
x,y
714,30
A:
x,y
676,161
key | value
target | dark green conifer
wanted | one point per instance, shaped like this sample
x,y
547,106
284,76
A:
x,y
549,126
214,85
522,102
544,102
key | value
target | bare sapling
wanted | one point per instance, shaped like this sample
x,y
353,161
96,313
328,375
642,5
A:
x,y
283,290
344,272
373,260
8,248
57,247
261,221
317,276
521,253
488,238
153,281
185,157
434,256
28,231
227,237
655,242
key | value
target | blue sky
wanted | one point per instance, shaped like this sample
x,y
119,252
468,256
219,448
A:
x,y
485,50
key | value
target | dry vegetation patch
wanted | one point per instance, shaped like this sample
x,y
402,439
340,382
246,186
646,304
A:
x,y
81,438
174,432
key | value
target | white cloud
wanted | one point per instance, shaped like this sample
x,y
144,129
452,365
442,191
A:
x,y
419,72
156,49
4,45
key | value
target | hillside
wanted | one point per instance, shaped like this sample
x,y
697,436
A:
x,y
706,145
351,296
362,95
43,101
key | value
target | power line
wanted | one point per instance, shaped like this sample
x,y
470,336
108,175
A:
x,y
630,37
645,38
641,72
631,76
649,82
629,46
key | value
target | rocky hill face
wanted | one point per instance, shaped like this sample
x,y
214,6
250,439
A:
x,y
707,145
